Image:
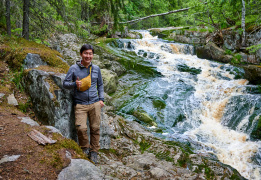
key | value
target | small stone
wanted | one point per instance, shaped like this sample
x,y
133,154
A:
x,y
29,121
7,158
53,129
11,100
2,95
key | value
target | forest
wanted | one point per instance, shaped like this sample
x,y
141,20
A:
x,y
36,20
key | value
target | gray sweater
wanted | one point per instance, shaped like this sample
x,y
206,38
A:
x,y
94,94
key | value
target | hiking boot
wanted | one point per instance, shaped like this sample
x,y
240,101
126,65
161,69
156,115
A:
x,y
93,156
86,151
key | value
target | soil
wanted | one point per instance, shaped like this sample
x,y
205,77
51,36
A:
x,y
15,141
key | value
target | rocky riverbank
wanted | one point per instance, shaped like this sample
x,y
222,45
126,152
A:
x,y
128,150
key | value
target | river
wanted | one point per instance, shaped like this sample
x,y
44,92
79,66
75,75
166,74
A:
x,y
203,103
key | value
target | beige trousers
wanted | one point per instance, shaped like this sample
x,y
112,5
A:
x,y
93,112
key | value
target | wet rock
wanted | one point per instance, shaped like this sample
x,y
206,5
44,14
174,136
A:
x,y
80,169
33,61
29,121
110,81
253,73
212,51
11,100
144,117
7,158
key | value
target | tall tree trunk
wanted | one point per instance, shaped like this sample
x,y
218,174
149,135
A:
x,y
8,22
25,32
243,23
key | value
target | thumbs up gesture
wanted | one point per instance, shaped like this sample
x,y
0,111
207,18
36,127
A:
x,y
78,83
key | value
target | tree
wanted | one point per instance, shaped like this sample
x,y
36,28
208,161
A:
x,y
25,32
8,22
243,23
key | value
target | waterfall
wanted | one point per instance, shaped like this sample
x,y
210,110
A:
x,y
205,103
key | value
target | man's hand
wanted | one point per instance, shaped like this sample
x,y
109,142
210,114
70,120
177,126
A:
x,y
101,103
78,83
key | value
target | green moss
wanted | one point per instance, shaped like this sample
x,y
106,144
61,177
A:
x,y
144,117
185,68
256,133
180,118
165,155
158,103
184,147
144,145
14,51
64,143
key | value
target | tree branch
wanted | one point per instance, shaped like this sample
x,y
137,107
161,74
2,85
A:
x,y
155,15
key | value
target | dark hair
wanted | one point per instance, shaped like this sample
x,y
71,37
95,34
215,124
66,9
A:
x,y
86,47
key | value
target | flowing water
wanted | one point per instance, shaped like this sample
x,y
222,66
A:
x,y
196,101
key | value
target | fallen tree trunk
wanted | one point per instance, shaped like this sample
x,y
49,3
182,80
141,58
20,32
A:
x,y
155,15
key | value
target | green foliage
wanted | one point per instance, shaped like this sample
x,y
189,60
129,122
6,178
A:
x,y
254,48
228,52
17,79
236,59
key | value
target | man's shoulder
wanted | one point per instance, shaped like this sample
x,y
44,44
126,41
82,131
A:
x,y
74,66
95,67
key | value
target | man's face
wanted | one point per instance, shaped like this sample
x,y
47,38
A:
x,y
87,56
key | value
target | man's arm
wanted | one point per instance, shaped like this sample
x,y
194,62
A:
x,y
69,81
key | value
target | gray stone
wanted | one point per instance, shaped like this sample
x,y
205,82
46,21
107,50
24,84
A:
x,y
68,155
57,110
33,61
7,158
80,169
11,100
159,173
2,95
212,52
28,120
53,129
110,80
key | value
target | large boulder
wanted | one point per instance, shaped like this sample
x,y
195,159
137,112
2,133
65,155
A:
x,y
253,73
212,51
110,80
53,105
81,169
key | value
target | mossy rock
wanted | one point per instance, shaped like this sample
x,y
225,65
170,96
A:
x,y
180,118
158,103
185,68
144,117
14,51
256,133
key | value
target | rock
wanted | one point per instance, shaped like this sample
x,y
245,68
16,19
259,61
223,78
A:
x,y
11,100
2,95
7,158
53,105
159,173
29,121
144,117
110,80
80,169
253,73
33,61
53,129
212,51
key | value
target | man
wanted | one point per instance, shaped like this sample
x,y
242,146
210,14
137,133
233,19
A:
x,y
86,81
